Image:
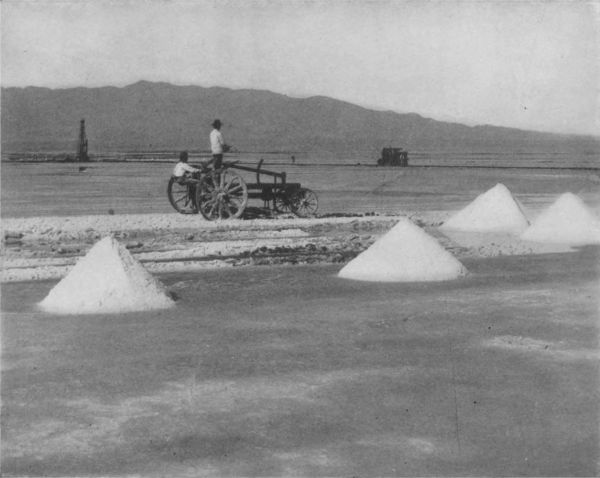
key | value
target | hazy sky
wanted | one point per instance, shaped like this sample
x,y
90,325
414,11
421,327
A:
x,y
527,64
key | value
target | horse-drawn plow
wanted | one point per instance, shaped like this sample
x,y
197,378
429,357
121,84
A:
x,y
224,194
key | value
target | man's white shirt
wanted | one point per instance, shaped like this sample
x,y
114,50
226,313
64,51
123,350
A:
x,y
216,142
181,168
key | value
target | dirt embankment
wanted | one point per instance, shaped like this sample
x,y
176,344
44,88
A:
x,y
46,248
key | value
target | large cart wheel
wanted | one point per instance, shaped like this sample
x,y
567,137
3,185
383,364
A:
x,y
222,195
182,195
305,203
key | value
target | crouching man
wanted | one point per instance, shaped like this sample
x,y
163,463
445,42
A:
x,y
182,169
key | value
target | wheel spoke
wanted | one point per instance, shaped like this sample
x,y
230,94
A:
x,y
212,209
228,183
236,197
180,199
239,196
237,203
208,203
232,188
211,202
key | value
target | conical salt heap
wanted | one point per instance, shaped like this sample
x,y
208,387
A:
x,y
106,280
405,254
496,210
567,221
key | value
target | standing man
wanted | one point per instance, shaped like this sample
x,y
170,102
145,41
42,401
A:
x,y
217,144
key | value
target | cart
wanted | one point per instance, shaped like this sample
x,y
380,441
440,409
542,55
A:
x,y
223,193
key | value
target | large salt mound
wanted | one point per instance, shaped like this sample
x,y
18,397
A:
x,y
405,254
496,210
567,221
107,280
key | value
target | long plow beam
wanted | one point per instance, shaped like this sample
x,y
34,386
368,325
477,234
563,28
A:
x,y
259,171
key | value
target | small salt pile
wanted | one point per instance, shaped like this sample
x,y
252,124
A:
x,y
108,279
567,221
496,210
405,254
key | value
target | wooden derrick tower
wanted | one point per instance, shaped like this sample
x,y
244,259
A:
x,y
82,148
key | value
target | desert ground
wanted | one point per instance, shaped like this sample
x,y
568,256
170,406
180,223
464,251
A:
x,y
270,364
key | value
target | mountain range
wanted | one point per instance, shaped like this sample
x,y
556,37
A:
x,y
160,116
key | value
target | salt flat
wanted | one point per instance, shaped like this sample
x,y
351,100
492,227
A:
x,y
269,364
292,371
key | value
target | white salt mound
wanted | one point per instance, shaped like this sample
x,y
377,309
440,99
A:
x,y
106,280
567,221
496,210
405,254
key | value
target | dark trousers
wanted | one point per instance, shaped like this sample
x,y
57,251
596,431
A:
x,y
217,161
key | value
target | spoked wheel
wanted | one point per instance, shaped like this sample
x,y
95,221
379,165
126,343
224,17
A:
x,y
305,203
182,195
222,195
282,203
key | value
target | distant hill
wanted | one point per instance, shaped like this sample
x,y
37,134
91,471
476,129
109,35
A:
x,y
153,116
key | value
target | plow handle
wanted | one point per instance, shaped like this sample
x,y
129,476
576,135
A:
x,y
258,170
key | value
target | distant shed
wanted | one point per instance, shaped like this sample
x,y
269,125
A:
x,y
393,157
